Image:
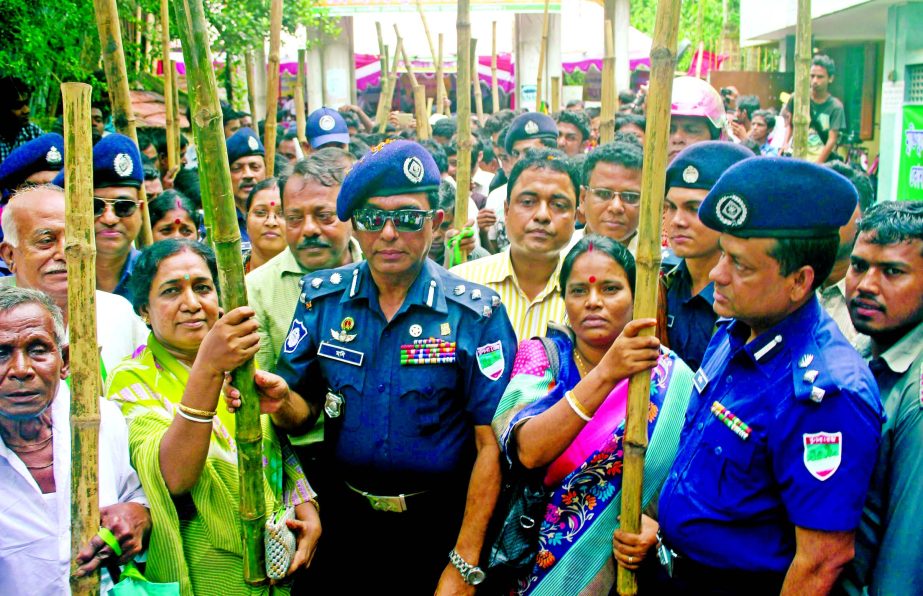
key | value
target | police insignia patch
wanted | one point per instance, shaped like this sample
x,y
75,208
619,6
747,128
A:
x,y
253,144
413,169
122,165
823,453
326,122
53,156
731,210
690,175
531,127
295,336
491,361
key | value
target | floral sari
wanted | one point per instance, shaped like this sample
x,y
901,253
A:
x,y
575,539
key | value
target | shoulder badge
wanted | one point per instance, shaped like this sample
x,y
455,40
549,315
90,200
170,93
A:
x,y
296,335
491,361
823,453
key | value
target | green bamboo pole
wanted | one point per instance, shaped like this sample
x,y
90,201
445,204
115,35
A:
x,y
608,94
543,50
300,122
388,92
801,117
463,112
110,40
219,203
80,254
272,92
653,181
494,87
168,82
440,80
250,66
476,83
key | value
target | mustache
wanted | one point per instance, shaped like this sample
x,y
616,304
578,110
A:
x,y
312,243
866,301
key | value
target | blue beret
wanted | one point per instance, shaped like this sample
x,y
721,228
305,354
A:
x,y
326,125
242,143
391,168
38,155
116,162
779,197
531,125
700,165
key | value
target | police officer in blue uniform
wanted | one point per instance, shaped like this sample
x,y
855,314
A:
x,y
247,159
783,424
408,363
35,162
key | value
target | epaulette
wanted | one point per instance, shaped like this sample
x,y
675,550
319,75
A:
x,y
320,283
811,375
480,299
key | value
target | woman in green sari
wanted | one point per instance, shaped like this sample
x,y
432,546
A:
x,y
181,435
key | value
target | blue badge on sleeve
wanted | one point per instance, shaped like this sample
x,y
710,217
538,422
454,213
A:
x,y
340,354
295,336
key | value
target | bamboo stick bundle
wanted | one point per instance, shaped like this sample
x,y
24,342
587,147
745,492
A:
x,y
168,81
80,253
653,181
463,111
219,203
123,116
801,117
272,93
300,121
250,67
555,94
607,110
494,87
543,49
440,80
476,82
392,85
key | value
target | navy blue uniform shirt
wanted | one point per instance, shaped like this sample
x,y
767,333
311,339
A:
x,y
814,414
690,319
403,428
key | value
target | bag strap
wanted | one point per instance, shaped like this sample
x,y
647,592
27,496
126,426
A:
x,y
554,357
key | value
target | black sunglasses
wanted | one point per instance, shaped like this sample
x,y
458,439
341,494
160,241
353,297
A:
x,y
405,220
121,207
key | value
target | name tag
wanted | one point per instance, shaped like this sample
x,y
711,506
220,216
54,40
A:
x,y
339,353
700,380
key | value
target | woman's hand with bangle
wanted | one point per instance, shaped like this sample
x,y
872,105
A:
x,y
232,341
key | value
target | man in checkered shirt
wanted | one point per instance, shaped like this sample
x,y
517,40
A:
x,y
15,128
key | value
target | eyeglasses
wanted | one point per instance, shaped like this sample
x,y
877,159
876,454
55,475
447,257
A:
x,y
405,220
264,214
121,207
605,195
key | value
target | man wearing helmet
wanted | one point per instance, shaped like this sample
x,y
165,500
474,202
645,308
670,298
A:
x,y
697,114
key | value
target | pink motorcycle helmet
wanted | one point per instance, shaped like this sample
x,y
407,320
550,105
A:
x,y
696,98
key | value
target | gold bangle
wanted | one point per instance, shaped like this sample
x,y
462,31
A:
x,y
194,412
316,504
577,407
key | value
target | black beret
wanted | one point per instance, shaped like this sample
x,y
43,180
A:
x,y
700,165
45,153
116,162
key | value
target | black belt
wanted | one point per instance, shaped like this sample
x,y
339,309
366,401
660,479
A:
x,y
706,579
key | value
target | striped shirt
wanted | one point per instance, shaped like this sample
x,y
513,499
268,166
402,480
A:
x,y
529,317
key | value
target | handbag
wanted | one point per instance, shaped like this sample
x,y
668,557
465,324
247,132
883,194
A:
x,y
280,543
522,501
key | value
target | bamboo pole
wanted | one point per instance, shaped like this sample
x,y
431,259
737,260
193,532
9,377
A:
x,y
555,94
801,117
138,31
419,94
174,76
440,80
429,40
168,80
541,62
383,62
653,181
272,93
607,110
146,46
392,85
80,254
494,87
123,116
476,82
300,121
250,66
382,59
219,203
463,111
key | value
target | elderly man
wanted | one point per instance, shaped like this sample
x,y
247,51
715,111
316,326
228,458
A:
x,y
540,211
408,362
35,470
33,246
247,158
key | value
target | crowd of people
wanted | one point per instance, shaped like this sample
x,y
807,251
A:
x,y
412,375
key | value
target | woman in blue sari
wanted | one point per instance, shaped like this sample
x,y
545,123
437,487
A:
x,y
571,424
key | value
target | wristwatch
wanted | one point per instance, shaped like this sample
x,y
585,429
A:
x,y
471,574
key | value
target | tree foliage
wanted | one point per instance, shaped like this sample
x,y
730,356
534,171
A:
x,y
644,13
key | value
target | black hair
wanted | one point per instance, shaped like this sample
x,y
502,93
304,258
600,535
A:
x,y
487,150
159,140
623,120
752,146
578,119
766,115
148,262
574,103
452,149
172,199
358,148
621,153
325,166
616,251
749,104
545,159
351,120
446,197
265,184
817,253
592,112
825,62
187,182
439,154
150,170
497,122
445,128
859,179
13,89
501,138
891,222
627,96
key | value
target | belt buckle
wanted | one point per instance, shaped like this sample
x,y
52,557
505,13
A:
x,y
387,504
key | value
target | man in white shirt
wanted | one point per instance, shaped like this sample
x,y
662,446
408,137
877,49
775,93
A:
x,y
33,248
35,458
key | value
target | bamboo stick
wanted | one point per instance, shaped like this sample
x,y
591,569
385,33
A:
x,y
123,116
382,59
170,108
494,87
174,76
463,111
440,78
555,94
653,181
392,85
476,82
219,203
146,41
539,95
300,121
429,105
801,117
138,30
419,94
698,63
272,93
381,113
607,110
429,40
250,66
80,254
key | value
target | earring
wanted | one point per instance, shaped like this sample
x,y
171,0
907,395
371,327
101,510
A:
x,y
146,319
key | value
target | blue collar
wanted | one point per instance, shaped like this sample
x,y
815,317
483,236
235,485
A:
x,y
426,290
789,332
685,279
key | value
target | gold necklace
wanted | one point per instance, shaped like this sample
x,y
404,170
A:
x,y
582,366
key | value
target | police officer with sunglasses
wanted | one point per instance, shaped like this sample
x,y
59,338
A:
x,y
408,362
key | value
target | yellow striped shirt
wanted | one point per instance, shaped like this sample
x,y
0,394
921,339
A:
x,y
529,317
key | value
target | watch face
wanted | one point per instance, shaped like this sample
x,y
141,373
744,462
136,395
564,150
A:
x,y
475,576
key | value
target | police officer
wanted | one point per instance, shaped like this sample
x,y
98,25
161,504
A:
x,y
783,425
247,159
408,363
32,163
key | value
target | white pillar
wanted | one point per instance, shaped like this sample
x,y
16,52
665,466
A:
x,y
622,25
339,66
259,57
528,28
315,97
